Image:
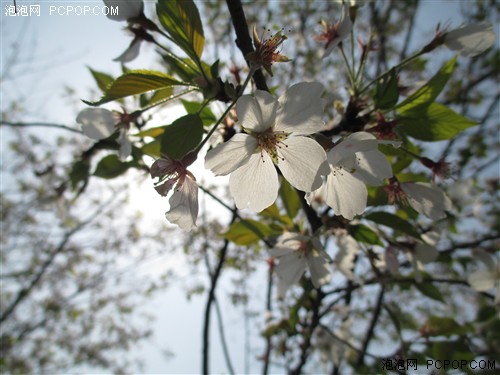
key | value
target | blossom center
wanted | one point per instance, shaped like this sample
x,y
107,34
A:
x,y
270,141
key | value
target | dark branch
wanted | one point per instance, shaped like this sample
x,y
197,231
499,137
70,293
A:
x,y
243,40
40,124
371,329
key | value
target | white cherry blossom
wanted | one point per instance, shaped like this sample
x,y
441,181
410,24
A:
x,y
470,40
297,252
427,199
275,134
174,176
100,123
127,9
348,248
487,278
333,35
353,162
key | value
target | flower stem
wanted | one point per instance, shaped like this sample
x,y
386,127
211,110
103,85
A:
x,y
240,92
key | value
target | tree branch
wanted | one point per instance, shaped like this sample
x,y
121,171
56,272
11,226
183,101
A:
x,y
211,297
243,40
371,329
40,124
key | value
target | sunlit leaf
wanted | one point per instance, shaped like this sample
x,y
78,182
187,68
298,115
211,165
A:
x,y
181,20
290,199
428,93
433,123
247,232
206,114
136,82
103,80
362,233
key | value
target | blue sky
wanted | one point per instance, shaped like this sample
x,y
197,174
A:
x,y
53,53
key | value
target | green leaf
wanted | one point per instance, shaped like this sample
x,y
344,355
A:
x,y
431,291
394,222
182,136
433,123
290,198
153,148
362,233
247,232
158,96
181,20
136,82
110,167
79,173
428,93
443,326
386,91
182,67
206,114
153,132
103,80
455,350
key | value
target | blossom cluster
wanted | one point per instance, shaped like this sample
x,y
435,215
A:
x,y
277,141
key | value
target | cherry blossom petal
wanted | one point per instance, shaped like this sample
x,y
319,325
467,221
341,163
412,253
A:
x,y
348,249
472,39
163,166
319,268
482,280
302,162
301,110
427,199
255,184
344,152
130,53
229,156
258,113
345,25
184,205
126,9
344,193
289,270
125,146
97,123
372,167
287,242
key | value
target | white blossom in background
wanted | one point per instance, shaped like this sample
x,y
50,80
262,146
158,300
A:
x,y
296,253
275,134
131,52
423,252
354,162
423,197
470,40
333,35
486,278
173,176
332,346
348,248
127,9
100,123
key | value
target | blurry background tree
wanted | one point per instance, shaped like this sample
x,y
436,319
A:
x,y
382,304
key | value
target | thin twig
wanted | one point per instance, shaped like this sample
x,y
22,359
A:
x,y
211,297
40,124
371,329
